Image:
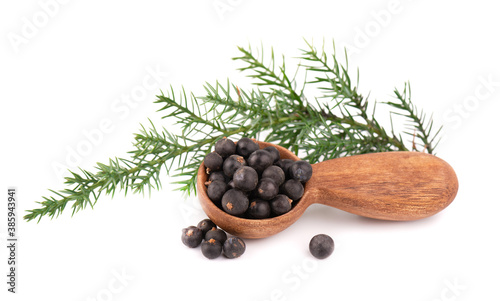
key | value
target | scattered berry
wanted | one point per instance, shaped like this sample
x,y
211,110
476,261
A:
x,y
301,171
234,247
211,249
281,204
321,246
259,209
245,178
235,202
274,173
246,146
232,164
192,236
214,242
217,234
213,162
206,225
293,189
225,147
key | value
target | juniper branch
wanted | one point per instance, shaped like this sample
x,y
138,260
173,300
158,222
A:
x,y
333,123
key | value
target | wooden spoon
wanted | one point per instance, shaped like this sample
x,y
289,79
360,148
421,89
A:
x,y
398,186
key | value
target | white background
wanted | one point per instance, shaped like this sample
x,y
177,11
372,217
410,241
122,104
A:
x,y
69,74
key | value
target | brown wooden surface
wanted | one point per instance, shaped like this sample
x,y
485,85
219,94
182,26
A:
x,y
390,186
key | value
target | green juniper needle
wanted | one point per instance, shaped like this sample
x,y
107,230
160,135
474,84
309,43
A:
x,y
334,123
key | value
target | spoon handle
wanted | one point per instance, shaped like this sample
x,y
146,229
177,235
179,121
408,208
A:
x,y
389,186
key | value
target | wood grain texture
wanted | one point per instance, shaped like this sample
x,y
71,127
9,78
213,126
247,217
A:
x,y
396,186
391,186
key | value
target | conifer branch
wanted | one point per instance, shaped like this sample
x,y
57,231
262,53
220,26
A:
x,y
334,121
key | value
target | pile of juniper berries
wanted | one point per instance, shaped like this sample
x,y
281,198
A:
x,y
214,241
249,182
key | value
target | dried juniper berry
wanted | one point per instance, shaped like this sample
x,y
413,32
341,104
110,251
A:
x,y
235,202
234,247
260,160
211,249
245,178
192,236
301,171
281,204
266,189
259,209
217,234
293,189
216,190
225,147
246,146
274,152
216,176
284,164
274,173
213,162
232,163
321,246
206,225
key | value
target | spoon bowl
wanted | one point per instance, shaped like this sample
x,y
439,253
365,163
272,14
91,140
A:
x,y
397,186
